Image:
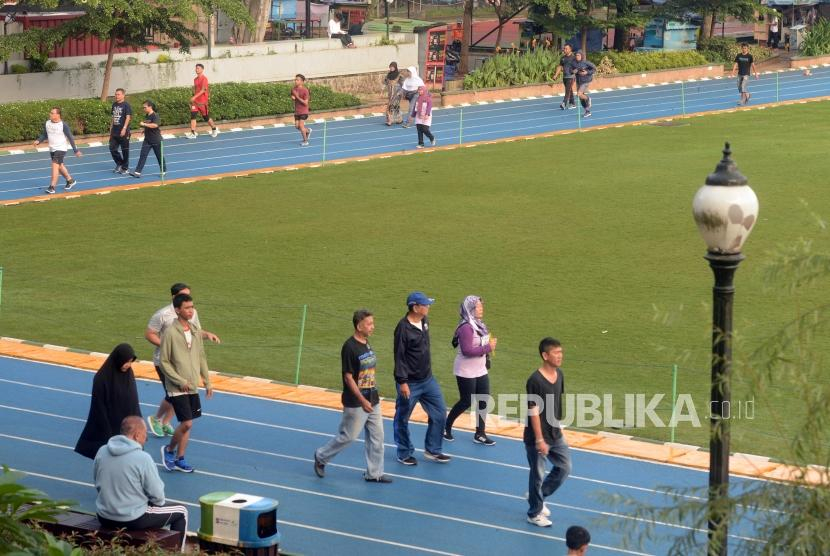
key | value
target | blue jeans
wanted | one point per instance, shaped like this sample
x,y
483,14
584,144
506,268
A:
x,y
539,489
428,392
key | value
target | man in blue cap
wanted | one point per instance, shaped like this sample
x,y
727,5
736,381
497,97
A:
x,y
415,383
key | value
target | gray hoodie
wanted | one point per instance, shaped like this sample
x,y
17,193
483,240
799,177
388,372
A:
x,y
126,479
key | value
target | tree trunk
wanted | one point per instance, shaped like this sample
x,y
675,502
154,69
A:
x,y
260,11
467,24
501,16
108,67
712,25
621,32
706,29
584,45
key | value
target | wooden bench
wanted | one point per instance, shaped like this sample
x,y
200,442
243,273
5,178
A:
x,y
86,530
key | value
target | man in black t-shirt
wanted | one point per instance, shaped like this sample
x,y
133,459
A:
x,y
361,403
122,114
152,139
745,65
542,435
565,68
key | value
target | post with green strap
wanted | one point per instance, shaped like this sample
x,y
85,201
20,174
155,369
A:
x,y
578,118
325,138
461,126
683,97
163,165
673,399
300,347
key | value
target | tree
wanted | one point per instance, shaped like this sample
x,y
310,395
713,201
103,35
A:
x,y
467,37
624,19
788,517
124,23
568,17
744,10
259,11
506,10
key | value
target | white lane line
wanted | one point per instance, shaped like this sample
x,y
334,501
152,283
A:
x,y
329,435
360,502
281,521
18,151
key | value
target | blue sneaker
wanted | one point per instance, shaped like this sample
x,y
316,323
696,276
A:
x,y
168,459
183,466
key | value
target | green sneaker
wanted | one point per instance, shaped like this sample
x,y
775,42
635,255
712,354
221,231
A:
x,y
168,430
155,426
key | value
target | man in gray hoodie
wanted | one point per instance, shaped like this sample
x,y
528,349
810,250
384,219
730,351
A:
x,y
130,491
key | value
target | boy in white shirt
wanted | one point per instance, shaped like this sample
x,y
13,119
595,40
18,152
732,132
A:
x,y
60,139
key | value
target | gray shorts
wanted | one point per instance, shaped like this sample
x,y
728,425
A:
x,y
583,87
743,81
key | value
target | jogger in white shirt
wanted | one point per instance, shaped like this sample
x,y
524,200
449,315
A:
x,y
60,139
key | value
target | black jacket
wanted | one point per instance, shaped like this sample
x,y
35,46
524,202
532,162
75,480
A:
x,y
412,357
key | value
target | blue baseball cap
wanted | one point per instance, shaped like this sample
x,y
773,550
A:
x,y
419,298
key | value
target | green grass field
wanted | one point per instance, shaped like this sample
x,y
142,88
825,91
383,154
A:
x,y
586,237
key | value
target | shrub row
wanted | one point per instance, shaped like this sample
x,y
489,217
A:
x,y
638,62
721,50
538,66
22,121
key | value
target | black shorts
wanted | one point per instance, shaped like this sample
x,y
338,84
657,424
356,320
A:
x,y
186,406
161,378
300,117
57,156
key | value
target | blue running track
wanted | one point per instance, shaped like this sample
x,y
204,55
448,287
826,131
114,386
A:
x,y
473,505
26,175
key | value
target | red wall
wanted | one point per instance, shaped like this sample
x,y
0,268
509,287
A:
x,y
86,46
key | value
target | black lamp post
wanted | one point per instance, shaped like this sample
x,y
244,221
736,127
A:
x,y
725,210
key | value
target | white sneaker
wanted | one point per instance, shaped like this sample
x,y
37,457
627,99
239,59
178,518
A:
x,y
432,143
214,132
191,135
540,521
545,510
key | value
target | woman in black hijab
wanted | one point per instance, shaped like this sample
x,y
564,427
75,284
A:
x,y
114,396
394,94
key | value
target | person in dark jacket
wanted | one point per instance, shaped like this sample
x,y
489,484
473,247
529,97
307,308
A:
x,y
415,383
114,397
584,71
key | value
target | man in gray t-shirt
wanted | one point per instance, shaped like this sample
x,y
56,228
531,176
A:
x,y
159,424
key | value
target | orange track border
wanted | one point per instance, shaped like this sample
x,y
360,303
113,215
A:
x,y
272,169
607,443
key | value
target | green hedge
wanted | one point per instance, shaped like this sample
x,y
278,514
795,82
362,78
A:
x,y
721,50
507,70
22,121
638,62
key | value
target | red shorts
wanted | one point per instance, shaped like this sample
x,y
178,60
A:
x,y
199,110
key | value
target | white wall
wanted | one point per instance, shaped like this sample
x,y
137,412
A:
x,y
264,62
